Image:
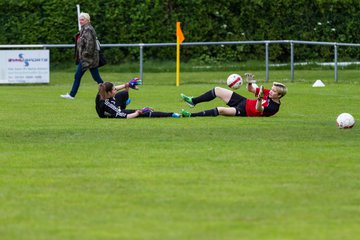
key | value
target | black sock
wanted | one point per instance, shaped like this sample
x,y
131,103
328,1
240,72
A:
x,y
207,113
157,114
206,97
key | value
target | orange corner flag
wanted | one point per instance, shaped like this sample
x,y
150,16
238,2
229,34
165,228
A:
x,y
179,34
179,39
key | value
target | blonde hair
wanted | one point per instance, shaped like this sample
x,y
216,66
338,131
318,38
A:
x,y
281,87
85,15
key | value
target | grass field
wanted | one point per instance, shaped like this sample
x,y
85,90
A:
x,y
66,174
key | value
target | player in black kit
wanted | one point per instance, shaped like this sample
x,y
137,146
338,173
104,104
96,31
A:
x,y
112,104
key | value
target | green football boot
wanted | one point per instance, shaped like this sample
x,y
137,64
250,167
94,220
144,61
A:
x,y
187,99
185,113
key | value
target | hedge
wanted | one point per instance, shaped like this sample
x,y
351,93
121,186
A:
x,y
153,21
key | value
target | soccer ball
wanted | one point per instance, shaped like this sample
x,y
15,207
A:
x,y
345,120
234,81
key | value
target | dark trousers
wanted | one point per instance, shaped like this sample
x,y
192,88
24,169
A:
x,y
78,75
121,98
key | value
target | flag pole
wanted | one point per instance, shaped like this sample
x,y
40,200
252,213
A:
x,y
177,62
179,39
78,14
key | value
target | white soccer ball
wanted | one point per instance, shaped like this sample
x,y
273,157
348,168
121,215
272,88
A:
x,y
234,81
345,120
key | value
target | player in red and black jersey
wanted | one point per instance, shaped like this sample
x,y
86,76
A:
x,y
112,104
266,104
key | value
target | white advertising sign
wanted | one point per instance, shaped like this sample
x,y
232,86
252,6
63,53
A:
x,y
24,66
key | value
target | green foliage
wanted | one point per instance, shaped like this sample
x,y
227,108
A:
x,y
153,21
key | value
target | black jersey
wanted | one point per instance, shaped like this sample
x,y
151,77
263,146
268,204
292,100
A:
x,y
107,108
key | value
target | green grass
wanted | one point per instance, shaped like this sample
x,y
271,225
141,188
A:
x,y
66,174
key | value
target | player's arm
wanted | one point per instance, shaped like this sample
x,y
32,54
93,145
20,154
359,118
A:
x,y
122,86
133,83
259,106
133,115
251,88
250,80
140,112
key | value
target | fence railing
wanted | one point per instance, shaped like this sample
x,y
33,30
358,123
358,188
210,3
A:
x,y
141,46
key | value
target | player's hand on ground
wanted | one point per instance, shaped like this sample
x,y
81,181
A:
x,y
146,110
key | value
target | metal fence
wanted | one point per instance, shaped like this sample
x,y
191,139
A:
x,y
141,46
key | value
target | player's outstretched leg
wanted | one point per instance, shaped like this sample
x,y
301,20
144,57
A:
x,y
152,114
187,99
207,113
219,92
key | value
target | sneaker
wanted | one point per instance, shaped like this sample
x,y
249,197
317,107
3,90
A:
x,y
185,113
187,99
67,96
176,115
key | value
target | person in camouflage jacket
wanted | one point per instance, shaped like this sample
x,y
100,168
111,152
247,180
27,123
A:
x,y
86,54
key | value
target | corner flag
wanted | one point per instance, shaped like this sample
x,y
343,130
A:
x,y
179,39
179,33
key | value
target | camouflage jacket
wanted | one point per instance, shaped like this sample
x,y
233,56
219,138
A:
x,y
87,52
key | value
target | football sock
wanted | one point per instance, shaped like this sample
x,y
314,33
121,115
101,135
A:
x,y
206,97
157,114
207,113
